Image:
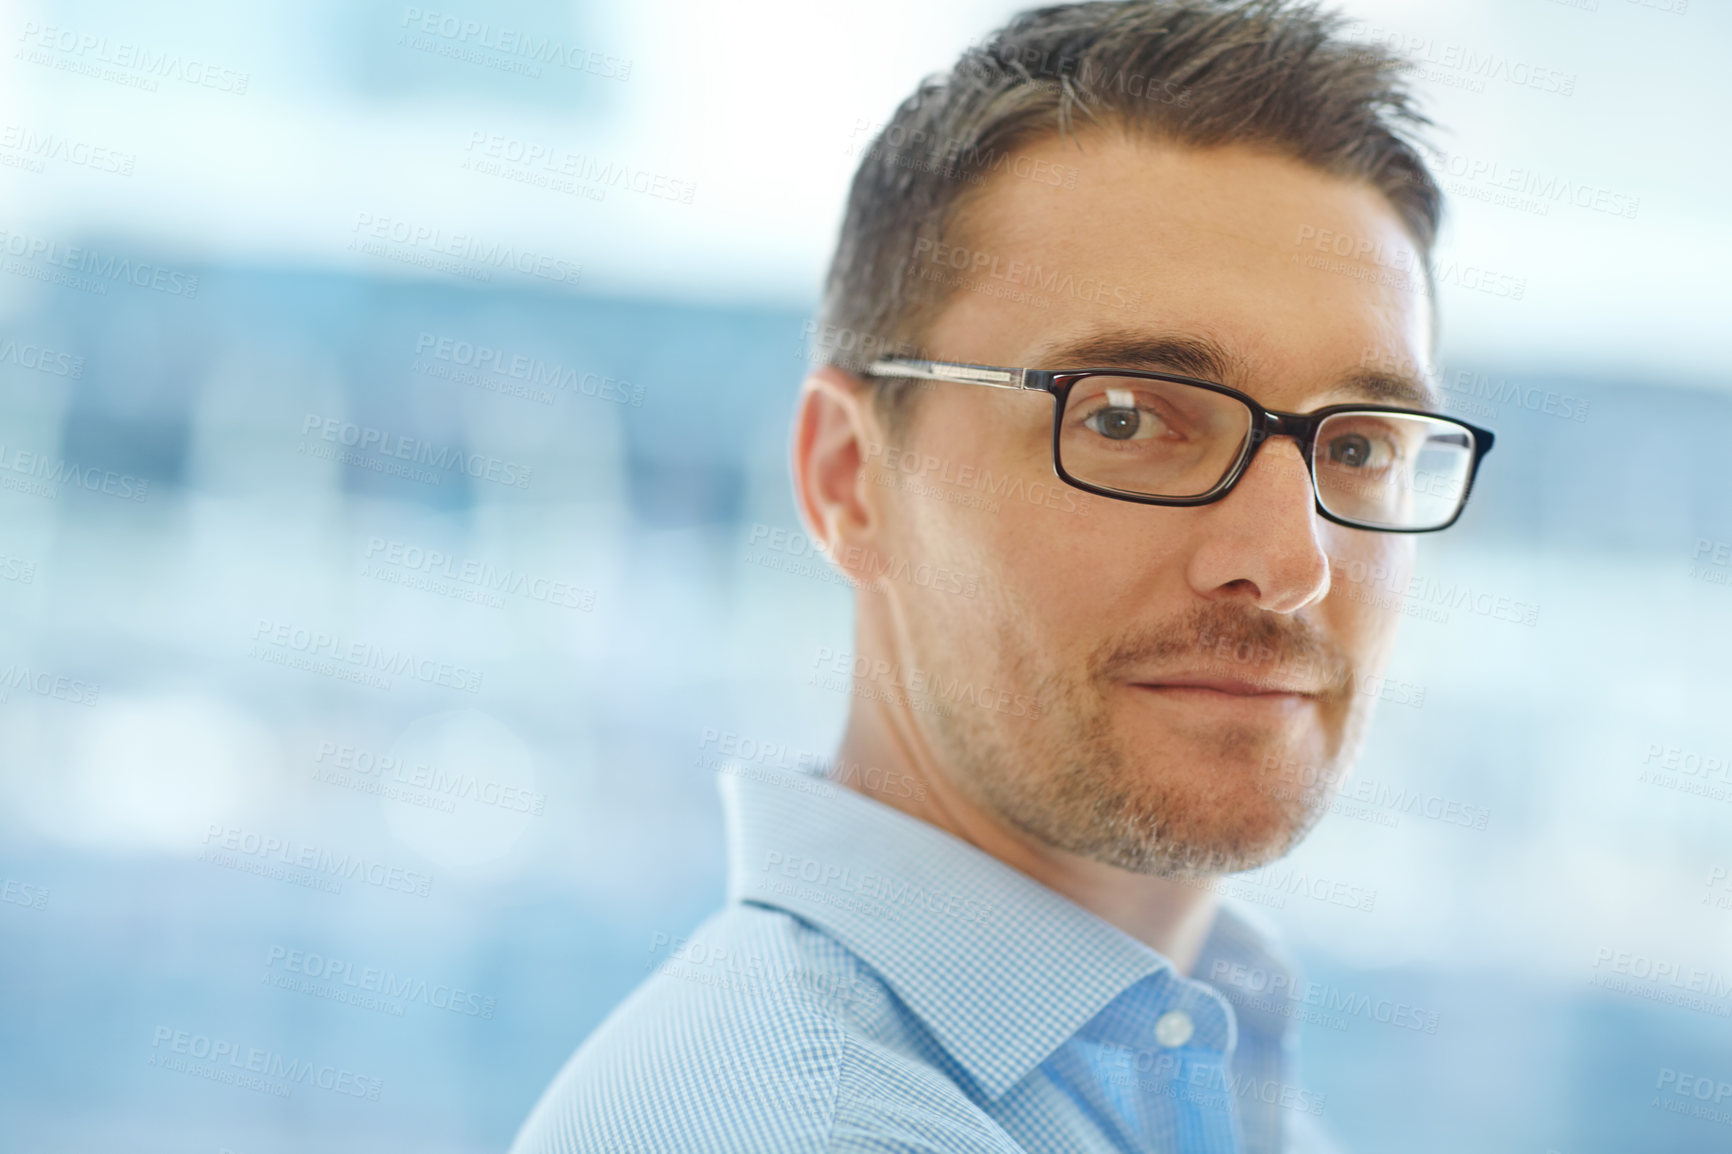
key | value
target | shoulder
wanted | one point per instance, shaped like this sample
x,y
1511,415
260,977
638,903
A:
x,y
757,1033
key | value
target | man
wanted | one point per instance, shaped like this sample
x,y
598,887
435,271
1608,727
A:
x,y
1127,297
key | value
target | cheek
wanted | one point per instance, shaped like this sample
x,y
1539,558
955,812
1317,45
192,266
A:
x,y
1015,577
1369,577
959,501
1079,571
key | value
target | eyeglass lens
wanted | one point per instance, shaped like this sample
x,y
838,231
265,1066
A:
x,y
1167,439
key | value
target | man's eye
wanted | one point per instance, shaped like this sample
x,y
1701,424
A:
x,y
1120,424
1121,418
1357,451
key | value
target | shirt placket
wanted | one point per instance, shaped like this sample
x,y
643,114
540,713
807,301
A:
x,y
1169,1065
1204,1117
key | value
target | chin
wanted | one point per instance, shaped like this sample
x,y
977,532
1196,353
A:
x,y
1212,811
1260,833
1209,839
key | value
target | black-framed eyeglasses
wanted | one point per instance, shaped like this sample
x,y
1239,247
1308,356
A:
x,y
1163,439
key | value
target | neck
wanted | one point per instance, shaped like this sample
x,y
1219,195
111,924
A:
x,y
1170,917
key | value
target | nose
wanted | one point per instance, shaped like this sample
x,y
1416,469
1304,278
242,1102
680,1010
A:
x,y
1262,542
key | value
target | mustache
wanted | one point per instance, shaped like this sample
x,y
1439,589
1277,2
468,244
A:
x,y
1253,644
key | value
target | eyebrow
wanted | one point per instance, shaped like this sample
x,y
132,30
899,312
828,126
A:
x,y
1390,389
1194,356
1188,356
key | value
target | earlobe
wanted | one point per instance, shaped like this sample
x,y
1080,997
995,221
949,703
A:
x,y
833,423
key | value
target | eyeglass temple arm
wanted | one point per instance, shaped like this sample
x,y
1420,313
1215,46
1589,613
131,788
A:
x,y
957,373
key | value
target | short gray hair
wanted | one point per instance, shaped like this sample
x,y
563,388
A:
x,y
1274,73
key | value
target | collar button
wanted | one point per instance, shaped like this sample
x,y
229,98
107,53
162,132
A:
x,y
1174,1028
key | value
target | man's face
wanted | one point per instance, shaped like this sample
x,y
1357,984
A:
x,y
1196,672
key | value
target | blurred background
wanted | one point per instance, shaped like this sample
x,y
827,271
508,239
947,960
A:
x,y
374,396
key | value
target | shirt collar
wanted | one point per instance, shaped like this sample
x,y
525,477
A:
x,y
1001,969
1241,961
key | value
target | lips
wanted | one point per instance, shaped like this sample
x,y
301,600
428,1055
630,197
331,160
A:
x,y
1232,686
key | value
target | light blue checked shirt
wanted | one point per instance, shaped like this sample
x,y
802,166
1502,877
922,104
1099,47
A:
x,y
875,984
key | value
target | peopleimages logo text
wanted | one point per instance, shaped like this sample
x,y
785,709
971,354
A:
x,y
480,574
315,859
89,51
43,472
384,443
483,254
532,371
507,41
365,655
44,360
373,980
174,1047
923,683
103,266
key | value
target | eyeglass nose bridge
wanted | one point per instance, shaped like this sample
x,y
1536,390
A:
x,y
1269,423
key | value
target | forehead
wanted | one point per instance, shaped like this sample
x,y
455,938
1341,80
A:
x,y
1301,280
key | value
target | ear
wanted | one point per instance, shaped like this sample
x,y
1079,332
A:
x,y
836,434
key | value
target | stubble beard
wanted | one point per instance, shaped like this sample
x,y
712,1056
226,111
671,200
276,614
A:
x,y
1230,801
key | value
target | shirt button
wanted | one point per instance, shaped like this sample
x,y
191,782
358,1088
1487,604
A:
x,y
1174,1028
